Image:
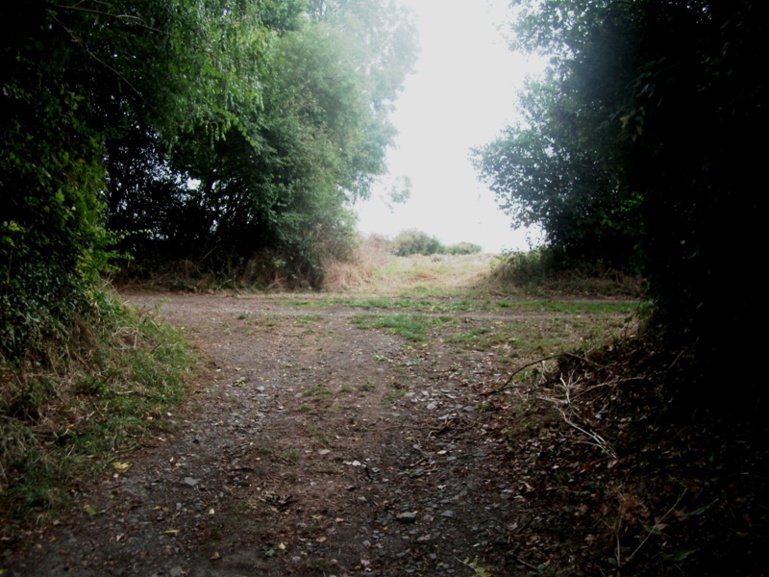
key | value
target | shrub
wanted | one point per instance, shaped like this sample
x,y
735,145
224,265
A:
x,y
546,270
463,248
413,241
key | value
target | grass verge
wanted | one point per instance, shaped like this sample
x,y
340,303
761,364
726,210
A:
x,y
67,415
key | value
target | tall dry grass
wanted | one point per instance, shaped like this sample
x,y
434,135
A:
x,y
371,255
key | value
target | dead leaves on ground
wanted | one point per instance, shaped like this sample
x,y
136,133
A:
x,y
612,482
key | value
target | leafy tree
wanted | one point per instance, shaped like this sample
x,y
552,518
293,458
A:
x,y
75,76
545,172
561,166
279,189
647,124
463,248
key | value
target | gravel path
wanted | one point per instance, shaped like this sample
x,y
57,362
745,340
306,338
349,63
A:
x,y
309,447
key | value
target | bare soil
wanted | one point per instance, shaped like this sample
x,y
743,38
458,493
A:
x,y
309,447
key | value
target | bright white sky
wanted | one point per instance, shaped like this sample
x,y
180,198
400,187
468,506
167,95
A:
x,y
461,95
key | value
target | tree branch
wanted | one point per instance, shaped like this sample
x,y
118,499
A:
x,y
518,370
138,20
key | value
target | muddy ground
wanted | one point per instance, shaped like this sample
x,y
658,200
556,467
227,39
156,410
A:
x,y
310,447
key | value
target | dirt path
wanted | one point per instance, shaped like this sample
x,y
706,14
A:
x,y
312,447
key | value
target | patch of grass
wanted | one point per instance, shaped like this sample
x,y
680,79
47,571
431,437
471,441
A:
x,y
306,320
65,422
263,451
318,392
624,307
418,274
542,272
376,303
300,303
464,302
410,327
322,437
289,455
537,336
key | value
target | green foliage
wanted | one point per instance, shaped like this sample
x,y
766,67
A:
x,y
411,327
176,64
77,79
463,248
558,169
644,133
548,271
38,309
207,129
379,37
85,84
50,174
276,194
413,241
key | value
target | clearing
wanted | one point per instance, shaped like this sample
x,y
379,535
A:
x,y
374,432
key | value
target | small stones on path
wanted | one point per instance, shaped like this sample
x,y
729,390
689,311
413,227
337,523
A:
x,y
406,517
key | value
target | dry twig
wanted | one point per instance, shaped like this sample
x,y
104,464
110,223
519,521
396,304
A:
x,y
568,413
518,370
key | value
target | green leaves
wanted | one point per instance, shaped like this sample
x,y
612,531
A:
x,y
274,177
638,149
554,170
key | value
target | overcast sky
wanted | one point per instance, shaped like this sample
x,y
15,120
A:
x,y
461,95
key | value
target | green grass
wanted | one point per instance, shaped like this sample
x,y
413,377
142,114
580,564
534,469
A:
x,y
463,302
538,335
66,423
319,392
289,455
579,307
411,327
565,324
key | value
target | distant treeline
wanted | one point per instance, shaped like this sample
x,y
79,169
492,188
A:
x,y
412,241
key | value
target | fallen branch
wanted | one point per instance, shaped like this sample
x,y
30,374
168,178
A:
x,y
597,440
518,370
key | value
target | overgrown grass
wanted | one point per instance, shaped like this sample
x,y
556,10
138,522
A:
x,y
539,336
67,415
373,271
541,272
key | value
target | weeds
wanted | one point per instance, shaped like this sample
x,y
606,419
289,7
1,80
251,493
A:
x,y
64,420
411,327
319,392
541,272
